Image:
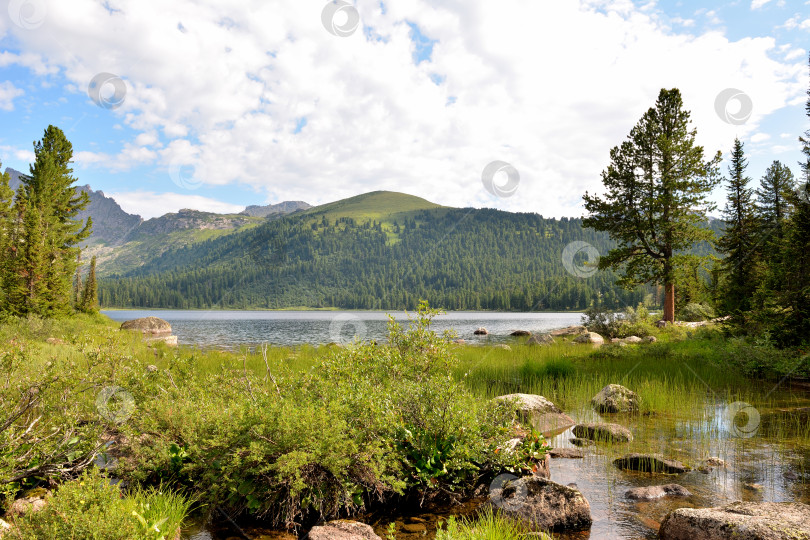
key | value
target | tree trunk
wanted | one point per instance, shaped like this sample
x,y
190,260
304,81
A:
x,y
669,303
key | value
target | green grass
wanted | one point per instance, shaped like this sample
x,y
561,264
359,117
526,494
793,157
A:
x,y
488,525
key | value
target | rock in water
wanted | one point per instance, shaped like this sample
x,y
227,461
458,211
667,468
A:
x,y
153,329
519,333
603,432
149,326
343,530
650,463
540,339
739,521
615,398
481,331
541,504
650,493
540,412
590,337
570,331
566,453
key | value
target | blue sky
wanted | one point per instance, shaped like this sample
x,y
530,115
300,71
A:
x,y
234,103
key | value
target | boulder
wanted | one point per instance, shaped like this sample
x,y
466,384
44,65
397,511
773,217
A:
x,y
661,324
540,339
481,331
150,326
603,432
650,493
740,521
650,463
710,463
590,337
541,504
521,333
577,441
615,398
343,530
632,339
503,346
650,339
570,331
27,505
544,416
566,453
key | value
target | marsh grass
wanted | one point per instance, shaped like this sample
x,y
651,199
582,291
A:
x,y
487,525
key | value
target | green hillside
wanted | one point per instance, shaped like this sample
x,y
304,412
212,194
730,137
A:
x,y
380,250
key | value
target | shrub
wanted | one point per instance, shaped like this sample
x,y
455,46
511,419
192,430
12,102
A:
x,y
90,508
694,312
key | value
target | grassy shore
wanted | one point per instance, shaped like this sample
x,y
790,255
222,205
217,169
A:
x,y
292,435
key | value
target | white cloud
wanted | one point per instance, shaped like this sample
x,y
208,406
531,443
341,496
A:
x,y
796,22
549,87
756,4
759,137
8,92
149,204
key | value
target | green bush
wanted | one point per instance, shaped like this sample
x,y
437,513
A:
x,y
91,509
694,312
367,423
608,324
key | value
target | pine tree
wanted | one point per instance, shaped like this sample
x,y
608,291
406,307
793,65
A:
x,y
739,241
656,201
78,290
773,204
46,205
7,225
90,296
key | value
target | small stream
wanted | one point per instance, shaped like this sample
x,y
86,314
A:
x,y
765,449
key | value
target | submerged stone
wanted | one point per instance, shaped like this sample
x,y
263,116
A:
x,y
650,493
615,398
650,463
603,432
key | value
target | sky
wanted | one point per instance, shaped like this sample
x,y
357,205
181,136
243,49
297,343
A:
x,y
215,104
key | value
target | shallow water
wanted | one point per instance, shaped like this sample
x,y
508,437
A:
x,y
767,460
232,329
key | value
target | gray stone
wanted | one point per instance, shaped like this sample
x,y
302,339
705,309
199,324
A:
x,y
657,492
570,331
577,441
590,337
566,453
632,339
520,333
603,432
650,339
152,326
481,331
650,463
615,398
544,416
541,504
540,339
739,521
343,530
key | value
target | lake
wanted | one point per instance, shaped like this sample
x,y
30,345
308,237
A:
x,y
233,329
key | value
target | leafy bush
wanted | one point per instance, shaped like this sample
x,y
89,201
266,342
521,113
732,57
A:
x,y
694,312
367,423
632,322
90,508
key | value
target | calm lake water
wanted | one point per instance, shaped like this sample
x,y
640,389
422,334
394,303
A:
x,y
232,329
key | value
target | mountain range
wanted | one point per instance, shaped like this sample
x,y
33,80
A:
x,y
379,250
